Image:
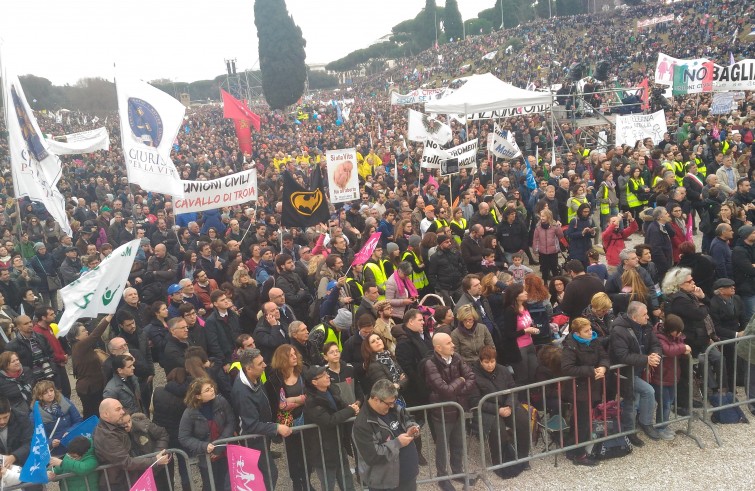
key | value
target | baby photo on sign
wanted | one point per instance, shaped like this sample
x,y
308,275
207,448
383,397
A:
x,y
342,175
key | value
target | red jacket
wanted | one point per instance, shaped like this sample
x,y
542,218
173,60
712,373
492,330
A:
x,y
673,348
58,354
613,241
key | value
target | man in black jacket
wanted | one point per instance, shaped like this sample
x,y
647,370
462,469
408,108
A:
x,y
175,345
446,270
512,234
471,248
297,295
32,349
222,327
634,343
15,445
743,264
269,333
580,290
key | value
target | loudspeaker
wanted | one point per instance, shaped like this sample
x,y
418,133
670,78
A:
x,y
601,71
577,71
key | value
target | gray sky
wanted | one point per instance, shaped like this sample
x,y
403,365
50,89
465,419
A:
x,y
65,40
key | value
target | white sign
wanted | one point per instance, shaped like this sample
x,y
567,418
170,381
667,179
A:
x,y
417,96
664,67
83,142
100,290
510,112
502,144
225,191
433,154
723,103
655,20
343,178
491,55
635,127
739,76
421,128
150,120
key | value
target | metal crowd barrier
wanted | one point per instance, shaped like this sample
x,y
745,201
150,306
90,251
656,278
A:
x,y
343,472
709,409
100,471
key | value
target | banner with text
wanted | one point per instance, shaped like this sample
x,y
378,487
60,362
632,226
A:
x,y
502,144
343,179
635,127
225,191
433,154
417,96
83,142
664,67
723,103
739,76
654,20
510,112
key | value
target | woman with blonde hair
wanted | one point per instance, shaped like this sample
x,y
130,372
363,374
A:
x,y
539,307
470,336
493,286
58,413
601,317
246,297
545,242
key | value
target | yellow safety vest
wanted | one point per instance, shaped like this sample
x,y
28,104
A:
x,y
702,169
679,172
378,271
462,224
354,305
237,365
418,279
332,336
494,215
725,147
440,223
605,208
632,200
569,212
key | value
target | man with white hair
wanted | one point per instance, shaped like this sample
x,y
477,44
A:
x,y
658,237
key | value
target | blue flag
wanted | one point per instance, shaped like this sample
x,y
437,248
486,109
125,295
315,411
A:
x,y
35,469
531,184
85,428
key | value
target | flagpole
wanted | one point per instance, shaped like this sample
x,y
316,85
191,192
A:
x,y
4,76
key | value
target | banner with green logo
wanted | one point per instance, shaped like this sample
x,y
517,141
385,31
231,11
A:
x,y
100,290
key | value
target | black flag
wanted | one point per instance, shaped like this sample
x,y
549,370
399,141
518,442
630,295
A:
x,y
302,207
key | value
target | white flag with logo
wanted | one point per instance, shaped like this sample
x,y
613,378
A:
x,y
150,120
83,142
36,169
502,144
421,128
100,290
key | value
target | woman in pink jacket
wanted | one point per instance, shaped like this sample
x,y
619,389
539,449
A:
x,y
546,243
614,237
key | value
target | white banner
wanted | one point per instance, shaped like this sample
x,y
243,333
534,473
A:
x,y
83,142
150,120
723,103
35,168
502,144
739,76
635,127
343,179
664,67
224,191
490,56
417,96
510,112
421,128
100,290
654,20
433,154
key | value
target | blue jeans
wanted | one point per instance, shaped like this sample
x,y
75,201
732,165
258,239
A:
x,y
644,402
664,396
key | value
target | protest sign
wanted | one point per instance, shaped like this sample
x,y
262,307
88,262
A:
x,y
225,191
635,127
342,175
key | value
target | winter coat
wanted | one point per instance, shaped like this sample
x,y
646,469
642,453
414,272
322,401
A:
x,y
614,286
87,367
220,334
297,295
379,464
693,313
446,270
468,342
44,266
446,385
17,390
471,252
659,240
580,243
68,414
487,383
18,439
194,429
579,292
167,404
112,445
630,345
513,237
146,436
174,354
729,317
546,240
669,369
252,407
129,397
613,241
318,411
703,270
410,350
742,260
580,360
85,479
721,254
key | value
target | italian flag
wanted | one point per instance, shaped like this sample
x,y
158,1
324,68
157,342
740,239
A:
x,y
693,77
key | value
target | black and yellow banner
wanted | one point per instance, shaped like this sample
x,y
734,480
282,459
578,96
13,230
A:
x,y
302,207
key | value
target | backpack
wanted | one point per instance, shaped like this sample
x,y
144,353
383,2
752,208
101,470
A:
x,y
706,224
541,321
609,449
730,415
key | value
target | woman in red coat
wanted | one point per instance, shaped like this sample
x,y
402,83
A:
x,y
614,237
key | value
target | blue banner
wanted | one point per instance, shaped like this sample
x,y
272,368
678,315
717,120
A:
x,y
35,469
85,428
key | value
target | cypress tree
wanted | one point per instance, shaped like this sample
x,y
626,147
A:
x,y
281,49
453,22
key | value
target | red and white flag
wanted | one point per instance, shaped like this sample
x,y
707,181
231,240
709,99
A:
x,y
365,253
146,482
243,468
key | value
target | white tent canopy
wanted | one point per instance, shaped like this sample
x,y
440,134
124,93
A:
x,y
485,93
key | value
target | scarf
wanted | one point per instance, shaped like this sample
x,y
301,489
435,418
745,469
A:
x,y
404,287
610,184
384,358
584,341
697,179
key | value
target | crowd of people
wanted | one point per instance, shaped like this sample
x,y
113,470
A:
x,y
257,328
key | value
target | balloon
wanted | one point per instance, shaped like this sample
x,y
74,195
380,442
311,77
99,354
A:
x,y
297,122
315,116
339,122
319,128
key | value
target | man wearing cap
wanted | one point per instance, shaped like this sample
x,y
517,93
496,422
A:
x,y
325,408
85,238
743,264
429,219
176,297
70,268
330,330
728,313
446,270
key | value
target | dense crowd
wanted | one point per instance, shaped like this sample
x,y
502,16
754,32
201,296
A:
x,y
258,328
